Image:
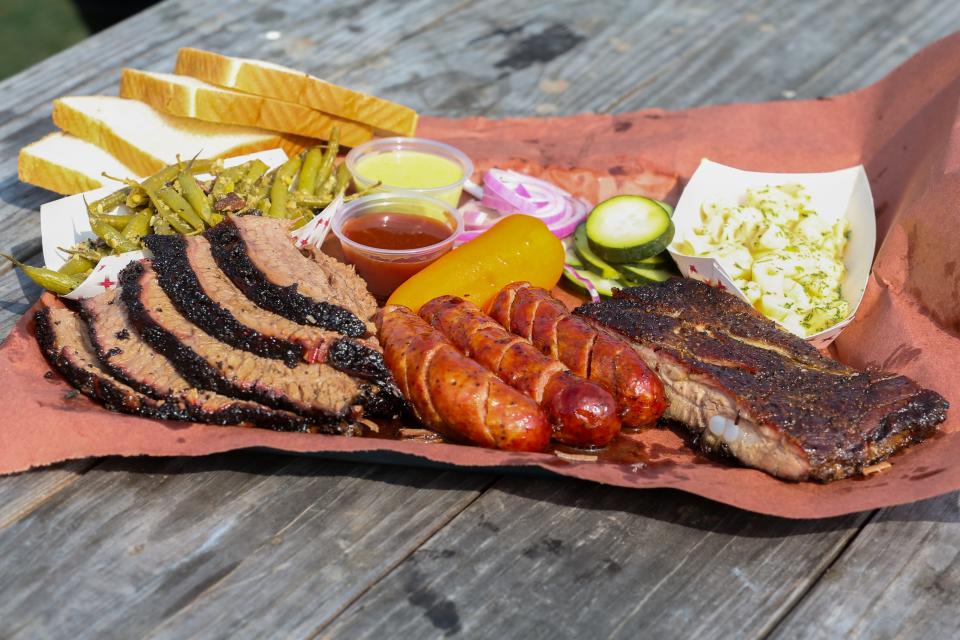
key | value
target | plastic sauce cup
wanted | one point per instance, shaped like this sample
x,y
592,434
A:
x,y
426,167
390,220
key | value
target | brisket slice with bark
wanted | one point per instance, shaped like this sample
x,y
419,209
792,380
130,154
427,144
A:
x,y
215,308
767,397
206,296
314,390
123,353
258,255
63,340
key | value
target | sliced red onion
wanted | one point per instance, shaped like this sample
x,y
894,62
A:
x,y
473,188
467,236
507,192
567,223
476,216
499,192
503,206
591,289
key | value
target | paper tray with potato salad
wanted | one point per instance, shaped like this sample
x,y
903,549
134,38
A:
x,y
661,457
796,246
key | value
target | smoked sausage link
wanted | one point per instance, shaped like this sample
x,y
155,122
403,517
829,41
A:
x,y
452,394
582,413
610,361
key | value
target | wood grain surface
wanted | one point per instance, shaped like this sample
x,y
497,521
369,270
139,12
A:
x,y
257,545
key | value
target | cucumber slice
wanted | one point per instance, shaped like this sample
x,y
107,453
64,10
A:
x,y
662,258
628,228
572,258
604,286
640,274
666,207
591,261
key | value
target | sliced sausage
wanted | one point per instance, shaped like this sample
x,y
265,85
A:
x,y
454,395
608,360
582,413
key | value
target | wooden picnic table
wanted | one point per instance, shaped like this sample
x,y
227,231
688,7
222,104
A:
x,y
252,544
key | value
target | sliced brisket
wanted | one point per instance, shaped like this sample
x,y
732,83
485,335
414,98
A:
x,y
258,255
767,397
209,300
123,353
206,296
63,340
315,390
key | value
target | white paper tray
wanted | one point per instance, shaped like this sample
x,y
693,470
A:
x,y
835,194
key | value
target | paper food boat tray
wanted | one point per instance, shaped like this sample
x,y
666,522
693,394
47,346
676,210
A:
x,y
64,223
834,195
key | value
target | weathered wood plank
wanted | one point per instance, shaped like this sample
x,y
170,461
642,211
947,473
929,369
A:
x,y
780,50
274,543
17,293
543,558
896,36
22,494
533,59
569,57
900,578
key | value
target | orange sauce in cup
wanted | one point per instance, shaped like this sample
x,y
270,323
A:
x,y
396,230
391,231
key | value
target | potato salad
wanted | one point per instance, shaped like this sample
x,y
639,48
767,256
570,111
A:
x,y
784,256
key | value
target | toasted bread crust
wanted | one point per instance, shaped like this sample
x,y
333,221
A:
x,y
141,161
99,133
292,86
46,174
222,105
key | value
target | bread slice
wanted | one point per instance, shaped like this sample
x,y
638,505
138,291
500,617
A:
x,y
66,165
146,140
274,81
193,98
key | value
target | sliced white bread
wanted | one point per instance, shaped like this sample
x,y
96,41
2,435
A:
x,y
66,165
146,140
275,81
192,98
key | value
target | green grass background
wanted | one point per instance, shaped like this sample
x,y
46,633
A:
x,y
31,30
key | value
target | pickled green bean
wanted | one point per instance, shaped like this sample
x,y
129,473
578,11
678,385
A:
x,y
308,173
160,226
49,279
84,250
172,198
112,237
139,225
227,179
194,195
326,164
343,179
169,173
109,202
136,199
316,202
118,222
76,265
280,189
168,216
254,172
